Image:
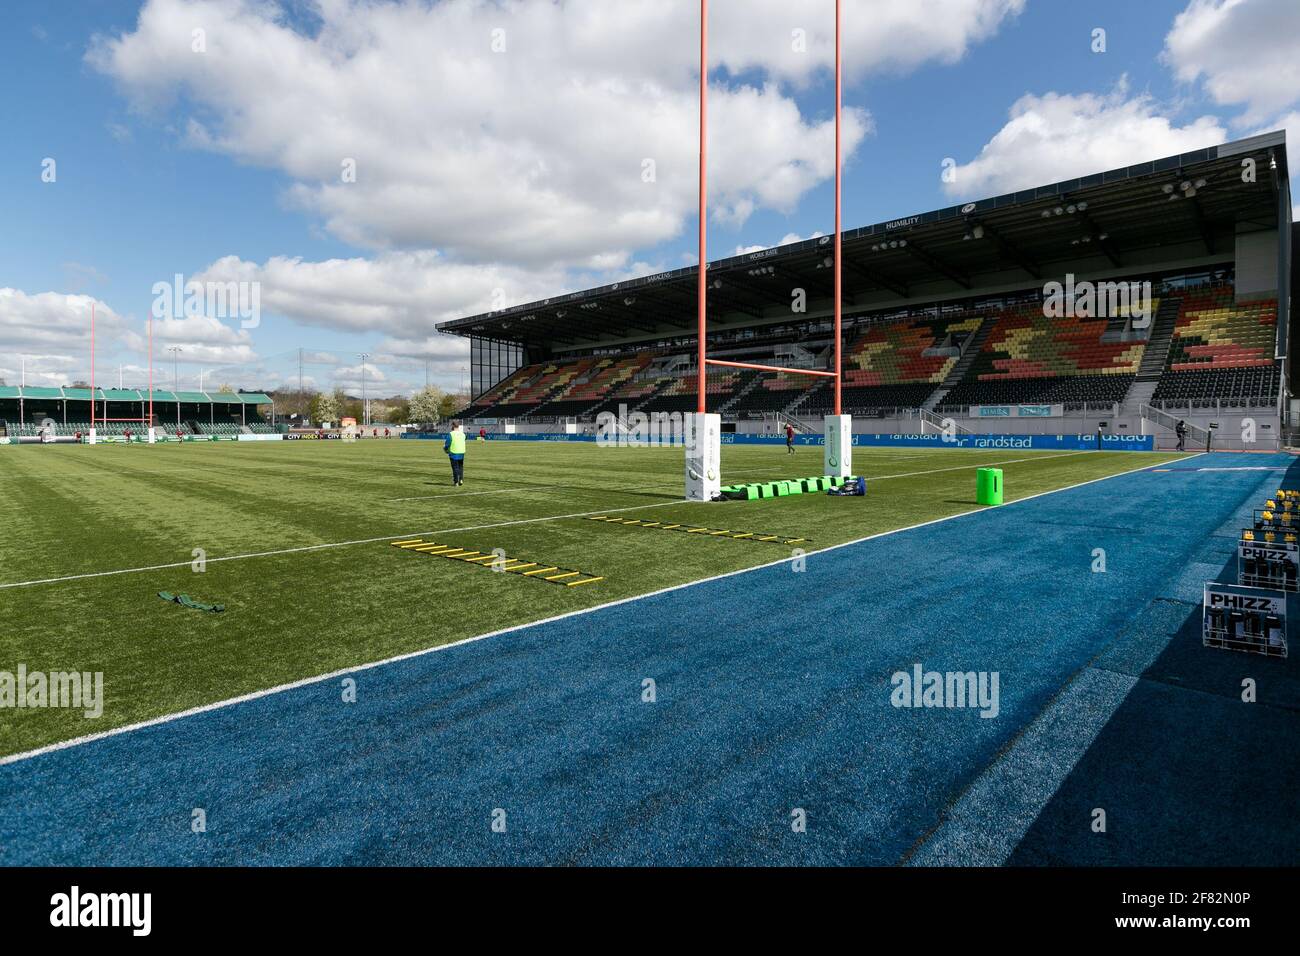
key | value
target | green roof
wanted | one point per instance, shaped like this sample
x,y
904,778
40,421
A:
x,y
31,391
121,395
255,398
160,395
193,397
9,391
81,394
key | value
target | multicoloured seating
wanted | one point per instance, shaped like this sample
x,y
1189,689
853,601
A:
x,y
887,366
1029,357
779,390
586,391
1221,351
1212,333
681,394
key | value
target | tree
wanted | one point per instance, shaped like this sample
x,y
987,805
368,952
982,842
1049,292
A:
x,y
450,405
398,411
424,406
349,407
325,408
294,402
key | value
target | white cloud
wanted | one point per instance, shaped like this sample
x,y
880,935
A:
x,y
55,322
45,371
394,292
1245,52
534,155
349,379
444,353
1057,136
201,339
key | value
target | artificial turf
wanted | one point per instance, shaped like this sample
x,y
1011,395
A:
x,y
71,515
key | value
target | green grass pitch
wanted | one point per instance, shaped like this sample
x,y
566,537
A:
x,y
70,516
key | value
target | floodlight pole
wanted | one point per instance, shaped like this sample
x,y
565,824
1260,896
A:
x,y
150,324
839,298
176,381
364,422
703,195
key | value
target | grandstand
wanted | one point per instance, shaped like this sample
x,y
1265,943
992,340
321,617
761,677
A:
x,y
27,410
947,312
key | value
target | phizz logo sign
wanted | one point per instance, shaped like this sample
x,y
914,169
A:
x,y
109,910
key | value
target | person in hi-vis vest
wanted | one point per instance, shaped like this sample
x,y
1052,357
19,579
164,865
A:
x,y
454,446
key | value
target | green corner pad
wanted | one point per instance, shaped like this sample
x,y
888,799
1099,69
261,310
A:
x,y
184,600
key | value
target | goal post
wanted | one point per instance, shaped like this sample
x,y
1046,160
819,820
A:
x,y
837,451
704,430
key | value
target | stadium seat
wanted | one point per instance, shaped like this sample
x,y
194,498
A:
x,y
1221,353
1031,358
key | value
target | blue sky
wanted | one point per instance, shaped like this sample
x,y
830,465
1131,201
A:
x,y
480,185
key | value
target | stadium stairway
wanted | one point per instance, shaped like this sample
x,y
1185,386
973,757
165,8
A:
x,y
755,379
958,371
1156,355
807,396
762,708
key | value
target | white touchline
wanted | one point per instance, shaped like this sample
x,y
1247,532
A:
x,y
307,681
470,494
990,464
480,527
337,544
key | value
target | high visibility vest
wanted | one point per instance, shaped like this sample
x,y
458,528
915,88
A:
x,y
457,442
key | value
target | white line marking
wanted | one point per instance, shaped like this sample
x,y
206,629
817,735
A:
x,y
414,534
989,464
339,544
306,681
469,494
1053,742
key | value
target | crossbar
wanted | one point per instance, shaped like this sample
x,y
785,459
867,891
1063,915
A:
x,y
772,368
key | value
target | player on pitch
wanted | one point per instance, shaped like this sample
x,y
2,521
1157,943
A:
x,y
454,446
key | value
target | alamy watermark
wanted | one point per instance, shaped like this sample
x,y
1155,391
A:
x,y
74,690
1098,300
641,429
75,908
946,689
179,299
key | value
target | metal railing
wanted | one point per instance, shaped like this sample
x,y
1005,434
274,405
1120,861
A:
x,y
938,423
1199,436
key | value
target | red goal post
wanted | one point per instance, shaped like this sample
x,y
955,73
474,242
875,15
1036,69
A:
x,y
839,427
773,368
703,361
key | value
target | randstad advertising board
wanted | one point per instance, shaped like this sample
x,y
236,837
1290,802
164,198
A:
x,y
1018,442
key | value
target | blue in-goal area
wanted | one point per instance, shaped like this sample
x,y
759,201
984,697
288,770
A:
x,y
753,719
